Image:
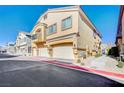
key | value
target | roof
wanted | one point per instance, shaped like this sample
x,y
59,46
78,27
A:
x,y
25,33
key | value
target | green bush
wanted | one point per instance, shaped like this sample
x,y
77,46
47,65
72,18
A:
x,y
98,55
113,52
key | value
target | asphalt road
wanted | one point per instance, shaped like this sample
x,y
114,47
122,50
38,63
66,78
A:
x,y
6,56
15,73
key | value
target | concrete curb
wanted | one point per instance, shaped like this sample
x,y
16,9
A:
x,y
114,76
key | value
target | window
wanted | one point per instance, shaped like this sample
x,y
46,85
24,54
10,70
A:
x,y
29,49
67,23
45,17
25,39
51,29
34,36
38,30
94,35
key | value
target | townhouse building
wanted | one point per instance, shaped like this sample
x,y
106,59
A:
x,y
11,48
105,47
120,31
23,44
65,33
2,50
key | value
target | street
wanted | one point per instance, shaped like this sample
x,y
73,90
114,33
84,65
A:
x,y
24,73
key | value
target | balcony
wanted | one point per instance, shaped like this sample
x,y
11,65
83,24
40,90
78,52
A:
x,y
37,38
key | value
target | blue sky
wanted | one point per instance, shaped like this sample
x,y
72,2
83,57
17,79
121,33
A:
x,y
14,19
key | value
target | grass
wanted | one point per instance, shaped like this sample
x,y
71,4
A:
x,y
120,64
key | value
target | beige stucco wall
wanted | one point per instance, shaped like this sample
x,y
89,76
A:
x,y
83,42
57,17
86,38
41,35
98,40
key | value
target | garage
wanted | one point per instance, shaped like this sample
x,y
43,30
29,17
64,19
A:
x,y
63,52
43,52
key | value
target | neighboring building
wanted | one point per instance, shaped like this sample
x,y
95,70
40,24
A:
x,y
105,47
11,48
65,33
2,50
120,31
23,44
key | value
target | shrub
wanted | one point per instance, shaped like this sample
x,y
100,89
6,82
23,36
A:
x,y
113,52
98,55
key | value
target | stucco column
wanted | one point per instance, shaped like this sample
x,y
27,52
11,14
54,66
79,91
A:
x,y
75,48
87,51
50,51
77,58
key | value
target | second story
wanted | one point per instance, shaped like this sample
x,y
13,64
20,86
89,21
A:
x,y
38,33
55,23
23,38
59,22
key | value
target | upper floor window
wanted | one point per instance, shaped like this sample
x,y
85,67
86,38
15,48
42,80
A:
x,y
34,36
25,39
45,16
67,23
51,29
94,35
38,30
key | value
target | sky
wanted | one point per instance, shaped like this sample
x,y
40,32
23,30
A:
x,y
14,19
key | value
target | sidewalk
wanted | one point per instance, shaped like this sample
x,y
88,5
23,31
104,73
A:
x,y
103,63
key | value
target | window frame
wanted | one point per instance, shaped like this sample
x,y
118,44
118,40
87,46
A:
x,y
94,35
64,20
45,16
49,28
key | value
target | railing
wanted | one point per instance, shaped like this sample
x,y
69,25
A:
x,y
34,37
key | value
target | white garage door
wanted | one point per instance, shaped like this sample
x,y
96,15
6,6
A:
x,y
63,52
43,52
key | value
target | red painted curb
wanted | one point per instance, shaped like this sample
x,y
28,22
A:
x,y
87,69
71,66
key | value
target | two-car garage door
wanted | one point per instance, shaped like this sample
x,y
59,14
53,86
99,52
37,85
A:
x,y
40,52
63,52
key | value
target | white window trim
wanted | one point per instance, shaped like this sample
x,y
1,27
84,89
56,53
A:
x,y
67,27
52,32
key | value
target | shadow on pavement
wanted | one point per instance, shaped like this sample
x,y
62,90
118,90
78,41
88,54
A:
x,y
6,56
